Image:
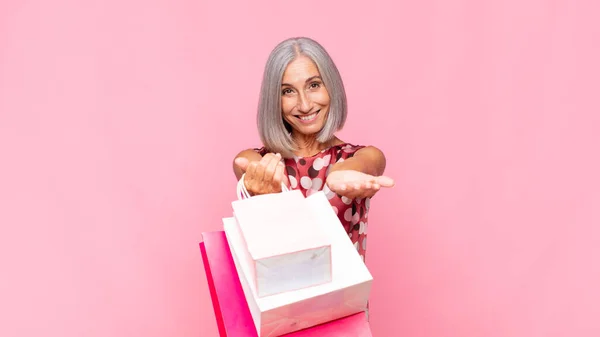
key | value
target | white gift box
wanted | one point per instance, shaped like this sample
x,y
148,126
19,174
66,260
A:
x,y
286,247
286,312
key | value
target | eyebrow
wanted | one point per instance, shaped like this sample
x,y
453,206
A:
x,y
308,80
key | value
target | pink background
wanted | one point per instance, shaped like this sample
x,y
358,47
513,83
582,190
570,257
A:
x,y
119,121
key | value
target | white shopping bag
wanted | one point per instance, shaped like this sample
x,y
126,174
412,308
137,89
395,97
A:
x,y
285,245
347,293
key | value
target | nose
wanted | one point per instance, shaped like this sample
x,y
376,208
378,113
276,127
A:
x,y
304,104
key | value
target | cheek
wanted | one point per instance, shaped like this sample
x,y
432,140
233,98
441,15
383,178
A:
x,y
321,97
287,105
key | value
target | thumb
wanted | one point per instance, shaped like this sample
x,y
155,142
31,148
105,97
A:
x,y
242,163
384,181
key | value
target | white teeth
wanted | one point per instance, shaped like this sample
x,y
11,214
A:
x,y
309,117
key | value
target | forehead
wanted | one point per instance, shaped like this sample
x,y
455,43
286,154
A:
x,y
300,69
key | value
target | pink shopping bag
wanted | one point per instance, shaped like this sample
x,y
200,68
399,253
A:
x,y
230,307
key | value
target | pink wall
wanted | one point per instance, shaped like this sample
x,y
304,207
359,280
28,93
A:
x,y
119,120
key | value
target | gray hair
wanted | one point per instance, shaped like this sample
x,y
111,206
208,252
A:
x,y
274,131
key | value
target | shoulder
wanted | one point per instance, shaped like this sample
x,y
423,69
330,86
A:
x,y
370,157
371,152
362,150
252,153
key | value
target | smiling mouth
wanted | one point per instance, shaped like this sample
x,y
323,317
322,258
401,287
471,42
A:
x,y
309,118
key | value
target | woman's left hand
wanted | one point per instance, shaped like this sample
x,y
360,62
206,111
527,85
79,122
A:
x,y
355,184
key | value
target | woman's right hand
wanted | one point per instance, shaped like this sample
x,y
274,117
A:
x,y
264,176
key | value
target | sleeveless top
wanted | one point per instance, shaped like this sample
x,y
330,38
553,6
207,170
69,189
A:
x,y
308,174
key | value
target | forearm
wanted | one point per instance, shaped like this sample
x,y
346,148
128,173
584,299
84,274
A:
x,y
355,164
368,160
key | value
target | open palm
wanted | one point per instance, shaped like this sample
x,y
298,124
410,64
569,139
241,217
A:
x,y
355,184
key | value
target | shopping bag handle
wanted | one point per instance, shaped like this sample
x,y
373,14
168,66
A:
x,y
242,192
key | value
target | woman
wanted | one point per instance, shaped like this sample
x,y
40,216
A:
x,y
302,104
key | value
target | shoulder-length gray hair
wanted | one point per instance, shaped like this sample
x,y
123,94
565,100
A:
x,y
274,131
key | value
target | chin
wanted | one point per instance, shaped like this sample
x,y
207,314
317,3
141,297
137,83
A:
x,y
309,130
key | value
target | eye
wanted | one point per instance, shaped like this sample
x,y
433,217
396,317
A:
x,y
286,91
315,85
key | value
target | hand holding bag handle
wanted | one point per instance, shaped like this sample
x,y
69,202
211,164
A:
x,y
242,192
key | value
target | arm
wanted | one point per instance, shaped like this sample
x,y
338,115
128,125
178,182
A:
x,y
264,174
369,160
241,161
361,175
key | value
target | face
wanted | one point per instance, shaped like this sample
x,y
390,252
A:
x,y
304,98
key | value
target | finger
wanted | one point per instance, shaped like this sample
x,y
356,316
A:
x,y
356,193
335,188
361,191
251,170
371,192
270,168
260,170
264,161
347,190
242,163
278,174
332,186
384,181
283,178
366,190
250,177
267,158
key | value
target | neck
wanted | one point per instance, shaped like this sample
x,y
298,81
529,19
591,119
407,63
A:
x,y
308,145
